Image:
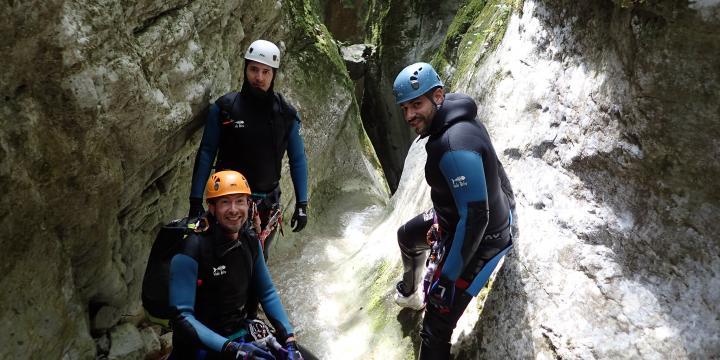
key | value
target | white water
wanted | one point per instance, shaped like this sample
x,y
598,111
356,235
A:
x,y
338,290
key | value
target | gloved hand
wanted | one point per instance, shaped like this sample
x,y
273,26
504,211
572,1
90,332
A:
x,y
293,351
442,294
299,218
196,207
243,350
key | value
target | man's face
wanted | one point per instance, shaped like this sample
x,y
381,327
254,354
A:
x,y
231,212
259,75
420,111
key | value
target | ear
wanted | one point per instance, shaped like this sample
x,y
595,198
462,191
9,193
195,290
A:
x,y
439,95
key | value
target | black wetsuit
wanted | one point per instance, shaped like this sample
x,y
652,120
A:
x,y
472,200
250,132
210,280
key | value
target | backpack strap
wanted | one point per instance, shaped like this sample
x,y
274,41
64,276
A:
x,y
250,248
286,110
226,104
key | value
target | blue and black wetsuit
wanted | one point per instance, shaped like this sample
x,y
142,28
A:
x,y
250,133
472,200
210,280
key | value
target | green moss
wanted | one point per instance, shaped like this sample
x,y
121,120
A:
x,y
482,296
457,29
476,31
377,307
312,34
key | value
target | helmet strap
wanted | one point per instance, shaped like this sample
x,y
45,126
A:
x,y
429,96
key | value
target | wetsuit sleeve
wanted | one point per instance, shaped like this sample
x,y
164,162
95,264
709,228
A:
x,y
463,170
298,162
269,297
206,152
183,283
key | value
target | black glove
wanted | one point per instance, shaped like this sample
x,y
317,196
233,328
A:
x,y
243,350
442,294
299,218
196,208
293,352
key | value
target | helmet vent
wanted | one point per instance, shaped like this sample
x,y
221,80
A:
x,y
414,82
250,50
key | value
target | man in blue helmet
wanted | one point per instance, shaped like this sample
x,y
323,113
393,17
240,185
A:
x,y
471,215
250,131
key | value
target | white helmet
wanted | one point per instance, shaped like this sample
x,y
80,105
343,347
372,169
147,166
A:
x,y
264,52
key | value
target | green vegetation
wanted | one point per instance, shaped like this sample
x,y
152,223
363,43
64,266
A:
x,y
457,30
476,31
384,275
312,34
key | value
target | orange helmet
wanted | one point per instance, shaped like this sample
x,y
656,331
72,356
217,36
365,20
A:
x,y
226,182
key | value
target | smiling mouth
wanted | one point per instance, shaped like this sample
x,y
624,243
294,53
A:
x,y
234,219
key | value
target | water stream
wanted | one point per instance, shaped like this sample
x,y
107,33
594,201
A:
x,y
339,290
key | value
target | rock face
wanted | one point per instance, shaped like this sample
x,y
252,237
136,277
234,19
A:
x,y
604,112
606,115
405,32
346,20
102,103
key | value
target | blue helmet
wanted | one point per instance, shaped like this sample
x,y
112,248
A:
x,y
415,80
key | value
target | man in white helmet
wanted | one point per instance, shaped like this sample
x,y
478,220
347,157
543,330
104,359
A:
x,y
250,131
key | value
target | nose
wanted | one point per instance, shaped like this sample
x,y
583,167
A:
x,y
265,77
234,207
409,115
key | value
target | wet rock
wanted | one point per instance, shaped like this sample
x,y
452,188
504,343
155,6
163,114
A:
x,y
599,271
106,318
406,32
166,342
151,340
126,343
103,344
356,57
114,119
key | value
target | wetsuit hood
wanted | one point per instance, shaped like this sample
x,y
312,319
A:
x,y
455,108
262,98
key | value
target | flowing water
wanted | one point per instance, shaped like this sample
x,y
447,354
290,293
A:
x,y
339,290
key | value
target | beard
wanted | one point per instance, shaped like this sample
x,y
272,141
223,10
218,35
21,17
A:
x,y
422,125
258,92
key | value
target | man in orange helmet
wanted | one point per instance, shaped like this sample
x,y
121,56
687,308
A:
x,y
212,276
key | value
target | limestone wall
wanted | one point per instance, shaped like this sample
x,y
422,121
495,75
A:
x,y
606,116
102,106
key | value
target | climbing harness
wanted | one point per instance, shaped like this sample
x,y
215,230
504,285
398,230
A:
x,y
273,221
437,251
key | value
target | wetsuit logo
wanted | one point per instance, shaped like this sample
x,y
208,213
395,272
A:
x,y
239,124
459,181
220,270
